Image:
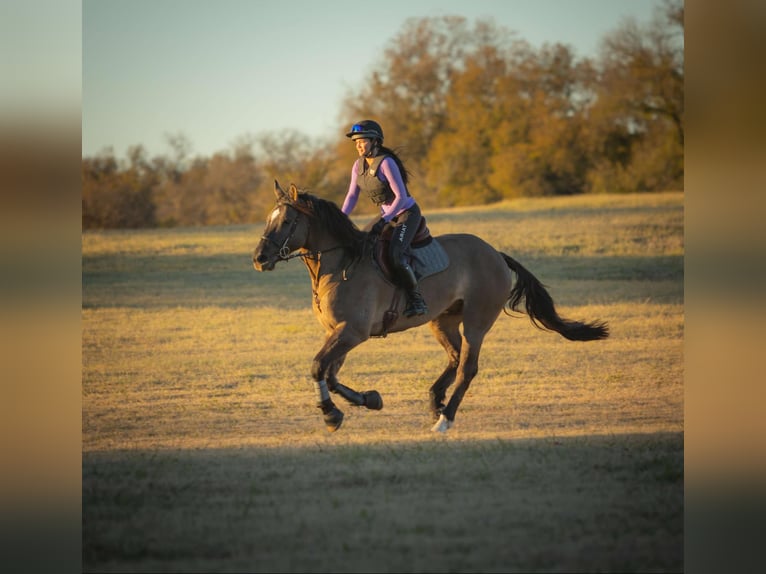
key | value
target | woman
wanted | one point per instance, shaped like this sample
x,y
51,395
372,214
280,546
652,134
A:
x,y
382,176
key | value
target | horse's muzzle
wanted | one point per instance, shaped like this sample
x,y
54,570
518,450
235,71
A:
x,y
262,262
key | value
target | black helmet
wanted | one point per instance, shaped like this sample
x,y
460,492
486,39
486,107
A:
x,y
366,129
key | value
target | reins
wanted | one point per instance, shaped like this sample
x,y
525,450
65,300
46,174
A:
x,y
316,255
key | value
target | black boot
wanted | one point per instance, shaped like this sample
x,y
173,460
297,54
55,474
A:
x,y
415,303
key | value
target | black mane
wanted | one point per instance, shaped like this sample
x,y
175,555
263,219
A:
x,y
336,222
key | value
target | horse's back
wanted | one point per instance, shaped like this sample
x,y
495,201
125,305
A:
x,y
464,247
476,265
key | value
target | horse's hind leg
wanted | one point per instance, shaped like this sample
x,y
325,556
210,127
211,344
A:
x,y
370,399
476,324
446,329
466,371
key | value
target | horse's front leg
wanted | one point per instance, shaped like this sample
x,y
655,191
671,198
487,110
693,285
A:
x,y
339,342
370,399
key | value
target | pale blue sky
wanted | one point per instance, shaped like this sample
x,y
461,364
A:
x,y
215,70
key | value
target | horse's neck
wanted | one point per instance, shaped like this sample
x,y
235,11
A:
x,y
325,254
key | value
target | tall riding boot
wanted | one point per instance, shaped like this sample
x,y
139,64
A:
x,y
415,303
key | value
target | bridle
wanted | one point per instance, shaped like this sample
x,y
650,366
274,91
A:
x,y
284,251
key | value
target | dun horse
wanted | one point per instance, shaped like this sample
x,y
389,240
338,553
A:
x,y
353,300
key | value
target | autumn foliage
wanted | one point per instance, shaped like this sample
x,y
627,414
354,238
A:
x,y
477,114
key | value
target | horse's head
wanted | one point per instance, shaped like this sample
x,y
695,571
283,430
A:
x,y
286,230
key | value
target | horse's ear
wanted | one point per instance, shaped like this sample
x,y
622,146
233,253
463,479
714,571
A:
x,y
293,193
279,192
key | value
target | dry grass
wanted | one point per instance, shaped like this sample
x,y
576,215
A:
x,y
203,450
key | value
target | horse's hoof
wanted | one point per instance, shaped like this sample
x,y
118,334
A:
x,y
442,425
373,400
333,419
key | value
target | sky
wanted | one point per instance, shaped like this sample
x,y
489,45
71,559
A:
x,y
216,70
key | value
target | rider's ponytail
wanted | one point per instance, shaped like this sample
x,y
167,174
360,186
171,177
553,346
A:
x,y
403,170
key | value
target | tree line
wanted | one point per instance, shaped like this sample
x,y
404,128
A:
x,y
477,114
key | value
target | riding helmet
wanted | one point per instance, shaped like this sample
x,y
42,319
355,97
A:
x,y
366,129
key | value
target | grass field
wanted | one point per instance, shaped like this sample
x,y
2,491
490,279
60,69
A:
x,y
203,450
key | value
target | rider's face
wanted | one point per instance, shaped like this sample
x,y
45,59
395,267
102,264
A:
x,y
363,146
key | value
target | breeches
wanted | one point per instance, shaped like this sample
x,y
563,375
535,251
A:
x,y
405,227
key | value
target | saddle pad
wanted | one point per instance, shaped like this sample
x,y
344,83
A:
x,y
429,259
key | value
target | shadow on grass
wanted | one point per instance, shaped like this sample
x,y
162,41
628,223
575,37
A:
x,y
229,280
191,281
493,213
589,503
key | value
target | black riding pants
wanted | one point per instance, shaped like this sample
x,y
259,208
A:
x,y
405,226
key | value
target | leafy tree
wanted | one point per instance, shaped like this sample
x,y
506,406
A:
x,y
537,149
118,198
219,190
476,114
407,90
514,118
485,117
459,160
637,121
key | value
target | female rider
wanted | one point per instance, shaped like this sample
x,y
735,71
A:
x,y
382,176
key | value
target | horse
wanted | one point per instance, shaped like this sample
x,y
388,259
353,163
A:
x,y
354,301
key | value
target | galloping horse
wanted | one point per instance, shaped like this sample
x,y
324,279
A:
x,y
354,301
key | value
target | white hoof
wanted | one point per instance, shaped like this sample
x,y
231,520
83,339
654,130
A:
x,y
442,425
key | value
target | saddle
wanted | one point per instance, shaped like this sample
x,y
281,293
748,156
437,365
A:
x,y
380,252
426,257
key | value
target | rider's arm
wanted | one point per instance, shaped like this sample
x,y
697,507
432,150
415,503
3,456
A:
x,y
352,195
402,199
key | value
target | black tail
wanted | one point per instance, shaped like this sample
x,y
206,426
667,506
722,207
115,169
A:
x,y
541,310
